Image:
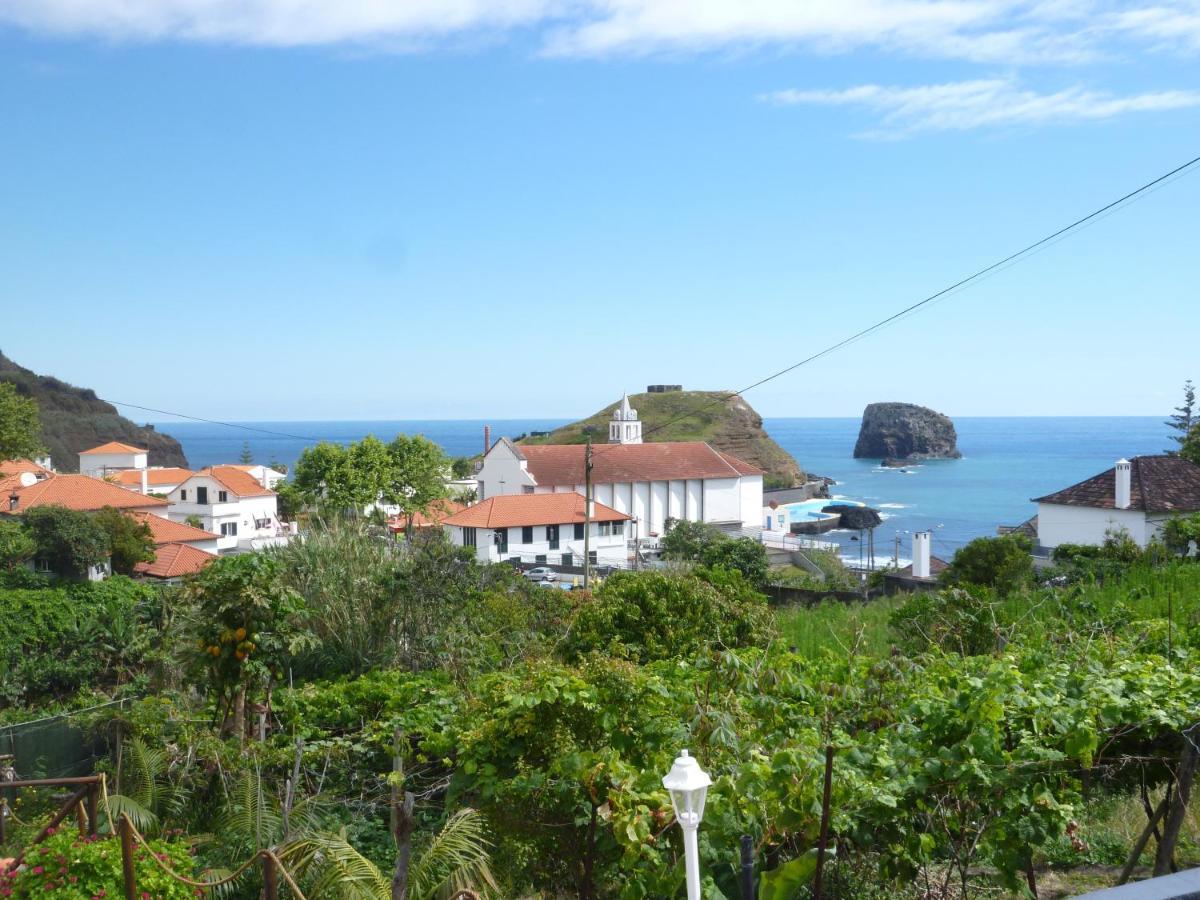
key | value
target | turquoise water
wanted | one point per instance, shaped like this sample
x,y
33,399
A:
x,y
1006,461
812,509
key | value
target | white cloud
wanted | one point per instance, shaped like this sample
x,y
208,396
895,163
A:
x,y
1007,31
962,105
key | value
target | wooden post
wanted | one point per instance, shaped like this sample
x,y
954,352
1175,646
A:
x,y
402,821
93,792
270,884
1178,809
127,858
824,838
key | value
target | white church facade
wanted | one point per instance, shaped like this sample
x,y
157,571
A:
x,y
649,482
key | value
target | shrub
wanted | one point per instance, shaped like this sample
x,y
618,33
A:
x,y
660,615
69,540
963,621
1003,563
67,866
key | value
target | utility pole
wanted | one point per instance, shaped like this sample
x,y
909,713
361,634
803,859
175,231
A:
x,y
896,553
587,512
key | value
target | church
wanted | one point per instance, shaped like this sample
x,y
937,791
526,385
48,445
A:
x,y
650,482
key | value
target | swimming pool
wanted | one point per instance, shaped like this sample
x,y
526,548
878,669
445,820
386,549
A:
x,y
809,510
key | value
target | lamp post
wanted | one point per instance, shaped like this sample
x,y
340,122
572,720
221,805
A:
x,y
688,785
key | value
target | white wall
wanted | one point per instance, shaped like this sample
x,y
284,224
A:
x,y
97,464
1061,524
500,465
610,549
243,512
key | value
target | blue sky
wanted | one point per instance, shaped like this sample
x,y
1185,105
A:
x,y
288,210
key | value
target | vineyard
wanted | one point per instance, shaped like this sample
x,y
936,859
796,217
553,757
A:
x,y
415,725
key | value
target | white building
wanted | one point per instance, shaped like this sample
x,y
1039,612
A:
x,y
158,480
110,458
687,480
625,427
545,529
264,475
1136,496
232,504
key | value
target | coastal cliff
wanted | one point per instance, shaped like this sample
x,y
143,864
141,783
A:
x,y
729,424
74,419
897,431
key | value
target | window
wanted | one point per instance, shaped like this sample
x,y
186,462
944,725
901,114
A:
x,y
469,537
515,560
262,523
526,489
229,529
526,534
183,495
605,529
552,536
222,496
202,496
540,559
618,527
568,559
579,531
592,558
501,540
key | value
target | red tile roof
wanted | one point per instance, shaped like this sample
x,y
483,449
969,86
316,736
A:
x,y
164,531
79,492
114,447
17,466
175,561
513,510
1158,484
153,476
439,510
236,481
562,464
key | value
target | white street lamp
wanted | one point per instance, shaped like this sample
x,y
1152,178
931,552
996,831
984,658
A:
x,y
688,785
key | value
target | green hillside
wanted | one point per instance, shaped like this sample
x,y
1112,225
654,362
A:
x,y
731,425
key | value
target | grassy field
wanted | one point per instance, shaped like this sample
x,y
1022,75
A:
x,y
861,628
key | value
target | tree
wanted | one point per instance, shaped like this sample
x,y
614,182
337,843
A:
x,y
249,625
130,541
1190,448
1184,418
417,475
20,429
687,541
462,466
195,521
247,456
743,554
16,544
344,480
1002,562
71,542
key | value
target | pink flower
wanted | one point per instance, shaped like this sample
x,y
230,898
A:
x,y
38,870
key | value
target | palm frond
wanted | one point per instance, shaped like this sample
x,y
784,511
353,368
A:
x,y
145,769
330,867
143,819
458,858
249,819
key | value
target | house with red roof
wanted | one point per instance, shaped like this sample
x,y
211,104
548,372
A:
x,y
174,561
110,458
649,482
1136,496
232,504
543,529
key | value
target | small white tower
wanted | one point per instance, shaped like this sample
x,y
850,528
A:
x,y
625,427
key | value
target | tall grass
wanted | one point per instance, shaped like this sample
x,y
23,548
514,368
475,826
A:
x,y
1140,593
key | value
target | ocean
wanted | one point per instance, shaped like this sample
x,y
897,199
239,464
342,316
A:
x,y
1006,461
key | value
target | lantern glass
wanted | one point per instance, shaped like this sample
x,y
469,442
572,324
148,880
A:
x,y
688,785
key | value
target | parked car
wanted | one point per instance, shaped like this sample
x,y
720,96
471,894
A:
x,y
542,573
561,585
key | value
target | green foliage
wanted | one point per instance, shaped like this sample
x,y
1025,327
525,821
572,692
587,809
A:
x,y
1003,563
195,521
659,615
1190,448
960,620
416,474
129,539
705,544
1178,533
249,625
17,545
462,466
247,456
69,541
1184,417
66,866
20,429
54,641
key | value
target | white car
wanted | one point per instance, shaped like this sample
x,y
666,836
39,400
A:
x,y
542,573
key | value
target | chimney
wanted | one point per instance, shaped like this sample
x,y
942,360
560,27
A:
x,y
264,480
13,500
920,550
1124,484
487,439
145,483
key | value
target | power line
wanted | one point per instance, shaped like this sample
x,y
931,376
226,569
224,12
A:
x,y
1011,259
165,412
